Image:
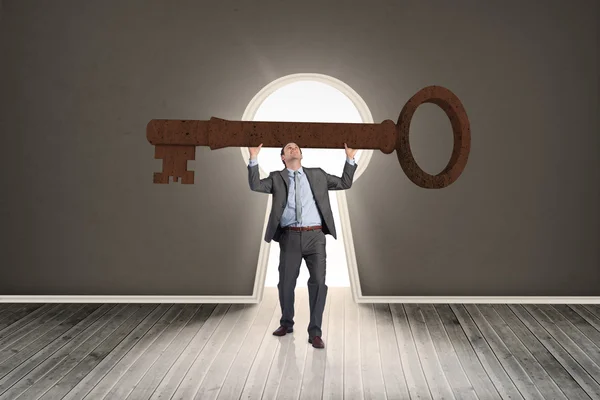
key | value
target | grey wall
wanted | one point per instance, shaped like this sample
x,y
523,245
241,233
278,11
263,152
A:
x,y
80,80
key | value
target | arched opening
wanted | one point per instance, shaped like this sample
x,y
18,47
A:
x,y
310,98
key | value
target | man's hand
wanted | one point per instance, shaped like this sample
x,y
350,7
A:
x,y
350,152
254,151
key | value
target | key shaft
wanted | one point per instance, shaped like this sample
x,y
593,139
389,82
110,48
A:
x,y
218,133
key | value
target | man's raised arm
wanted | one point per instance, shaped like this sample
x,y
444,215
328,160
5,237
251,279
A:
x,y
345,182
257,184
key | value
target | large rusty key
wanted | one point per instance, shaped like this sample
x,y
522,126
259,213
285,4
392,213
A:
x,y
175,141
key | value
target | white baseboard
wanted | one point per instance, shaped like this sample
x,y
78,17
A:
x,y
130,299
258,299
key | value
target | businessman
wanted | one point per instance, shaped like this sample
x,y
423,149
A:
x,y
300,218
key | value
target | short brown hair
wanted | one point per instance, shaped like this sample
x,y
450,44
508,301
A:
x,y
283,148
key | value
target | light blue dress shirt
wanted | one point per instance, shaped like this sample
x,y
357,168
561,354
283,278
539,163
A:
x,y
310,213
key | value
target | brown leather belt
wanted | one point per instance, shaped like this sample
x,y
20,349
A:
x,y
302,228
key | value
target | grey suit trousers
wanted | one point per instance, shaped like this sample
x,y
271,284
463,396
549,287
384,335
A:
x,y
295,246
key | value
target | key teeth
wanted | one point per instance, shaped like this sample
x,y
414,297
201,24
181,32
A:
x,y
175,160
159,177
188,178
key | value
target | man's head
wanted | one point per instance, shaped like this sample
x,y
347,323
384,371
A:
x,y
290,151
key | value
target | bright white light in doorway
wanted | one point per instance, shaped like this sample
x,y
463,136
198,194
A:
x,y
308,101
311,98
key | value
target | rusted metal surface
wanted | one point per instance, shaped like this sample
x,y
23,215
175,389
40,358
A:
x,y
461,129
218,133
175,140
175,160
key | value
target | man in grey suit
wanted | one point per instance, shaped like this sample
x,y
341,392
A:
x,y
300,218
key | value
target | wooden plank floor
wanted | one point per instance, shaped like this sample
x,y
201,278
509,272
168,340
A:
x,y
373,351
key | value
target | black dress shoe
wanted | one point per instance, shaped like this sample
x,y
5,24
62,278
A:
x,y
282,330
317,342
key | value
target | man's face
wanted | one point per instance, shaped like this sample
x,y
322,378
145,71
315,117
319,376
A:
x,y
291,152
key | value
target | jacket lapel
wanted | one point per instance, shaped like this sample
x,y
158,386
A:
x,y
309,176
284,176
312,180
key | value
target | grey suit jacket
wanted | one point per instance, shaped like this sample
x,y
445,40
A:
x,y
320,183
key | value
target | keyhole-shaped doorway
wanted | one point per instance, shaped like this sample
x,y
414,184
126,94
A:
x,y
311,97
